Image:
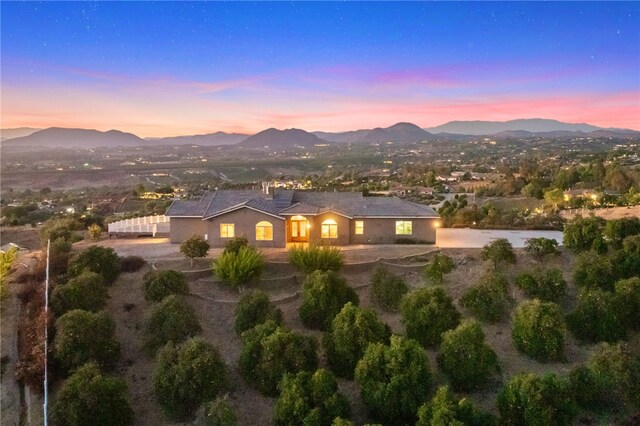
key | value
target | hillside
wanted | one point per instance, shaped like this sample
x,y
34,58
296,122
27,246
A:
x,y
76,138
282,139
209,139
18,132
400,132
533,125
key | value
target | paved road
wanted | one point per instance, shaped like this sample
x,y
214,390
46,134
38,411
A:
x,y
476,238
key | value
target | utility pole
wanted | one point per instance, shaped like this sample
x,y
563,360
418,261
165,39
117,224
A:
x,y
46,335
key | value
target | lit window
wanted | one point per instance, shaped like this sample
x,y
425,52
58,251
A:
x,y
359,227
264,231
329,229
227,230
404,227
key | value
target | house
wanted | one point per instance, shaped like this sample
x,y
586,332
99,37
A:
x,y
274,218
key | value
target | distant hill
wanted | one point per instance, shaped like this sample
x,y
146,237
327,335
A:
x,y
533,125
209,139
56,137
282,139
18,132
400,132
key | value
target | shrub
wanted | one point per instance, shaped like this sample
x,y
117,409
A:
x,y
445,409
171,320
615,231
499,251
541,247
387,289
131,263
309,399
59,253
269,352
219,413
91,398
628,302
394,380
352,330
162,284
583,233
6,260
465,358
316,258
235,244
323,296
539,330
546,285
56,228
101,260
531,400
86,292
94,231
489,299
239,268
616,369
194,247
588,390
82,337
440,265
596,318
187,375
593,271
427,313
255,308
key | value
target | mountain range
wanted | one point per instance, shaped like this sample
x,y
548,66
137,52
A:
x,y
290,138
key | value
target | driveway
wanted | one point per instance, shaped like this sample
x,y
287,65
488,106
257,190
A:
x,y
476,238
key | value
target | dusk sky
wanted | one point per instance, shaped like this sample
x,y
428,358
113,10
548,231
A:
x,y
161,69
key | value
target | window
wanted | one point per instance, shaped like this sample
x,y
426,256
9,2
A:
x,y
359,227
404,227
264,231
227,230
329,229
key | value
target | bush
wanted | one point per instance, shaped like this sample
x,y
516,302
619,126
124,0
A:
x,y
161,284
255,308
269,352
548,285
56,228
628,302
387,289
539,330
440,265
6,260
194,247
352,330
394,380
427,313
316,258
219,413
187,375
593,271
309,399
239,268
86,292
235,244
583,233
91,398
171,320
101,260
82,337
499,251
489,299
131,263
465,358
59,252
615,231
596,318
445,409
323,296
94,231
541,247
531,400
616,369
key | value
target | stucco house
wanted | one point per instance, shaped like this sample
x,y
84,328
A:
x,y
273,218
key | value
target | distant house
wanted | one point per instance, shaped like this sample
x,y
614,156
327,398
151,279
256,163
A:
x,y
274,218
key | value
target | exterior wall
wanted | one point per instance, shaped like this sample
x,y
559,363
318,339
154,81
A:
x,y
383,231
315,234
245,221
182,228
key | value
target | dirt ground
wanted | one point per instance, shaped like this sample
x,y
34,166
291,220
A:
x,y
607,213
24,236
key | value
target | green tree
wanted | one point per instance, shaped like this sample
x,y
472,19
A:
x,y
90,398
427,313
594,271
255,308
394,380
56,228
465,358
194,247
219,413
499,251
546,285
387,289
615,231
82,337
171,320
239,269
539,330
440,265
583,233
489,299
627,296
86,292
445,409
352,330
531,400
323,296
597,317
309,399
59,253
187,375
616,368
101,260
541,247
161,284
235,244
6,260
554,197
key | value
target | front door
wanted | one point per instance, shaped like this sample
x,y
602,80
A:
x,y
299,230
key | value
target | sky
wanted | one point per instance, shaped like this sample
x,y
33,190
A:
x,y
176,68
